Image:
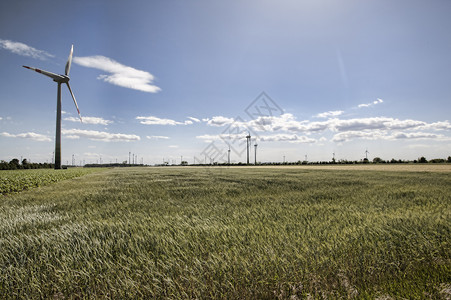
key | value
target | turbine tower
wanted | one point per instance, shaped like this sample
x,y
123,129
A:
x,y
255,152
248,145
366,153
228,156
59,79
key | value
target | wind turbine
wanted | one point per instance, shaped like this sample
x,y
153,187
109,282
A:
x,y
255,152
60,79
248,145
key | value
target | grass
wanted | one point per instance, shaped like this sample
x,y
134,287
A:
x,y
230,233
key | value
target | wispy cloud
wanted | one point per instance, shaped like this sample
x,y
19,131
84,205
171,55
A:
x,y
24,50
90,120
28,135
152,120
157,137
99,135
194,119
173,146
329,114
370,104
218,121
119,74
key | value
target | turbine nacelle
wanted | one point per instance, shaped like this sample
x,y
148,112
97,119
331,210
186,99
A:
x,y
63,79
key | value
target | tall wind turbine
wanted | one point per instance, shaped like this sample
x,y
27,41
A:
x,y
59,79
255,152
248,145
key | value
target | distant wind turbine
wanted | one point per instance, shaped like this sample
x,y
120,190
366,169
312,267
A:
x,y
60,79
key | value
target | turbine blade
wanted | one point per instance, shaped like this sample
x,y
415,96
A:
x,y
46,73
69,61
75,101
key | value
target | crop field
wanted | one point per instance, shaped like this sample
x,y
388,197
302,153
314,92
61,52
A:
x,y
19,180
230,233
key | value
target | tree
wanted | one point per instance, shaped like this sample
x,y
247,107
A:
x,y
25,163
4,165
422,160
449,159
14,164
377,160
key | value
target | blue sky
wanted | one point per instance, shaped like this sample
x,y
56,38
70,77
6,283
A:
x,y
166,79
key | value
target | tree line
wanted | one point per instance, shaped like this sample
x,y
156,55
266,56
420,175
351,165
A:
x,y
15,164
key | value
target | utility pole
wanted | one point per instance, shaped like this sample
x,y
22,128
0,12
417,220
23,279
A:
x,y
129,161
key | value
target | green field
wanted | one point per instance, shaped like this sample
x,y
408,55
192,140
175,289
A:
x,y
230,233
19,180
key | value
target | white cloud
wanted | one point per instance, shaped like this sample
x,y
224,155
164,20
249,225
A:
x,y
292,138
350,135
24,50
90,120
1,118
288,123
373,123
99,135
218,121
374,128
194,119
157,137
443,125
120,74
416,135
152,120
217,137
28,135
383,135
173,146
331,113
91,155
370,104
